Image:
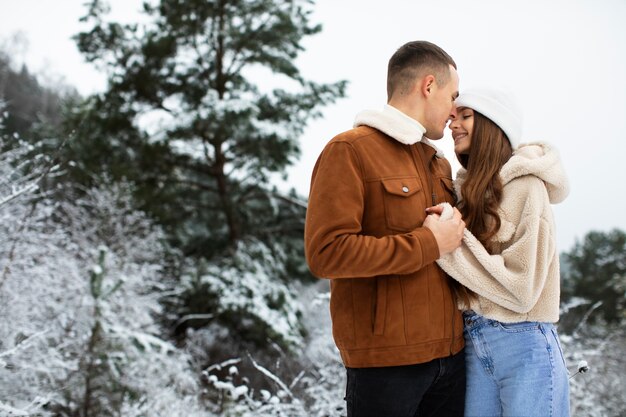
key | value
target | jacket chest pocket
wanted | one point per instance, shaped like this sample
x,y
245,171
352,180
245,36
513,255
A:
x,y
404,207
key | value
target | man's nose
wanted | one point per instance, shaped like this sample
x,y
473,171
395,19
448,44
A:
x,y
452,117
453,113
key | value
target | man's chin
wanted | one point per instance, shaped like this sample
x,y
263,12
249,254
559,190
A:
x,y
434,137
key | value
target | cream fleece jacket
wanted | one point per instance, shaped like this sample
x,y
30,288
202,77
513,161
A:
x,y
520,281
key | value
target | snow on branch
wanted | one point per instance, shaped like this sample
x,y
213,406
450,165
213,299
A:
x,y
271,376
21,345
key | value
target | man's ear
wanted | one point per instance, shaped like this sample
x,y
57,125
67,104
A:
x,y
427,85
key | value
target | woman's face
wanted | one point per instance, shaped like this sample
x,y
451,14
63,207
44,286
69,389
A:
x,y
462,127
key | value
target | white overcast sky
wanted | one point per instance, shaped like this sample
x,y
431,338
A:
x,y
565,59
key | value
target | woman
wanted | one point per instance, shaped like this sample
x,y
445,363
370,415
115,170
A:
x,y
508,263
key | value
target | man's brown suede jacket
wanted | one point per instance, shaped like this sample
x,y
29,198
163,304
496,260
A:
x,y
390,303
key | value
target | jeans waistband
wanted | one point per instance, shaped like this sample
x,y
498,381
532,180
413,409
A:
x,y
471,319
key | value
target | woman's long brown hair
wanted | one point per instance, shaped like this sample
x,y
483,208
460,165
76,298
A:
x,y
481,192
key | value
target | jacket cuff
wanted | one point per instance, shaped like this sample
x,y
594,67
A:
x,y
428,244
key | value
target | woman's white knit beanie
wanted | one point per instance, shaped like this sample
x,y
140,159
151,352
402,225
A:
x,y
498,105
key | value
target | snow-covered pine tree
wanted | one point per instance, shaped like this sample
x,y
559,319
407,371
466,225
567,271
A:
x,y
204,103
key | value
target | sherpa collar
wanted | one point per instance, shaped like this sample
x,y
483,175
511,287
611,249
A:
x,y
396,124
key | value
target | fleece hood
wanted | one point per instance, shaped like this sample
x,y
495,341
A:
x,y
396,124
538,159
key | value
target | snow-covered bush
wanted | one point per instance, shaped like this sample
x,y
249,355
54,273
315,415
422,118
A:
x,y
598,392
247,293
315,389
598,389
80,283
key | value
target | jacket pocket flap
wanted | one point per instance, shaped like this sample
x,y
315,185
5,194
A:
x,y
403,187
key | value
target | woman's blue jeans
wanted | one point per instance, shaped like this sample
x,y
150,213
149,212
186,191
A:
x,y
514,369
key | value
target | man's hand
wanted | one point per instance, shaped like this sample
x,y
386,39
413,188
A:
x,y
435,209
448,233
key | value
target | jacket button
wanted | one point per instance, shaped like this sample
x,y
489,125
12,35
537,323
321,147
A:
x,y
405,189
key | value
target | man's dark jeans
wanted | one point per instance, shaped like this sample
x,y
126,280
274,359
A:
x,y
435,389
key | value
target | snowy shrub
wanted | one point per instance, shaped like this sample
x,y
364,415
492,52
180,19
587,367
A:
x,y
324,385
22,168
237,398
247,293
315,390
81,284
79,296
599,392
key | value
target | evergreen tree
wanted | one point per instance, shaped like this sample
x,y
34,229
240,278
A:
x,y
33,111
204,104
596,272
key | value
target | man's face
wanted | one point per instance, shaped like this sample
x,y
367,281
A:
x,y
440,106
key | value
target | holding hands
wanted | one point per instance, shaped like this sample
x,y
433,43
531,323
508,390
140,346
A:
x,y
446,223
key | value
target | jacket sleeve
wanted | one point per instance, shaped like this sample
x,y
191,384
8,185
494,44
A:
x,y
515,278
335,245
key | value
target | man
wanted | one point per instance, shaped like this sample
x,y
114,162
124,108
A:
x,y
395,319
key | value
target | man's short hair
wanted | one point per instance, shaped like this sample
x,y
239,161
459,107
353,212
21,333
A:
x,y
415,59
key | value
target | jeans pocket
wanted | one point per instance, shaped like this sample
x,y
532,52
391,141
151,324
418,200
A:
x,y
523,326
558,344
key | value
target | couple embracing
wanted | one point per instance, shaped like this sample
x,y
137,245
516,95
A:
x,y
444,294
